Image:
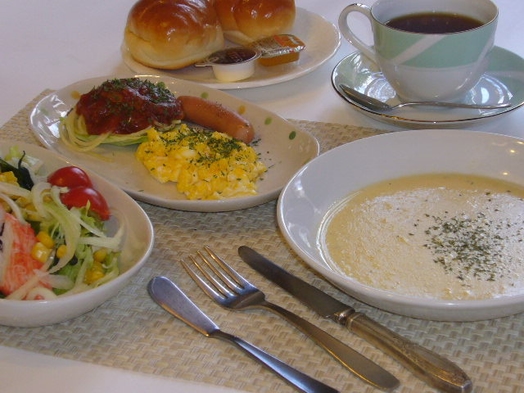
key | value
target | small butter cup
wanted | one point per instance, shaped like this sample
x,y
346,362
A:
x,y
232,64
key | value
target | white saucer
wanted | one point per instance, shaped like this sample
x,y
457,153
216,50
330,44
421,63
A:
x,y
322,41
502,82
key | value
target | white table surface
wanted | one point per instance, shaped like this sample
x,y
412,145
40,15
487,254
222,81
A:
x,y
51,44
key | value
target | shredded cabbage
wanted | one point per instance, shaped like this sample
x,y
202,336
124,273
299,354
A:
x,y
81,232
73,133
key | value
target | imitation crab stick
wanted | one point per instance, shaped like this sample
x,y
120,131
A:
x,y
17,265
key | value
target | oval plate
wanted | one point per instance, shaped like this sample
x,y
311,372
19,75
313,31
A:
x,y
282,147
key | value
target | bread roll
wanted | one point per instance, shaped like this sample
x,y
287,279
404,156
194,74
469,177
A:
x,y
172,34
244,21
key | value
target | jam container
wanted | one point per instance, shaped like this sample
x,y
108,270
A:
x,y
232,64
278,49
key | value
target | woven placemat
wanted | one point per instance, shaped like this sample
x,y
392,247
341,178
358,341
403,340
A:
x,y
131,332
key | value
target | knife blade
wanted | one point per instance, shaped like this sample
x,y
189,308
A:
x,y
427,365
171,298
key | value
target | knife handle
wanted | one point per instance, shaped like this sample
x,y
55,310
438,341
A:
x,y
357,363
301,381
434,369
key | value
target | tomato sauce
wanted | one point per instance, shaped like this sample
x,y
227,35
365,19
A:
x,y
125,106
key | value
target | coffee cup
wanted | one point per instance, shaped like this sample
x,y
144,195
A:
x,y
427,50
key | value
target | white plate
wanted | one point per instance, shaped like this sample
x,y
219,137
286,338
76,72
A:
x,y
310,194
502,82
282,147
136,248
321,38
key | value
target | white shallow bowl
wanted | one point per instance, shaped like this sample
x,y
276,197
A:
x,y
310,194
136,247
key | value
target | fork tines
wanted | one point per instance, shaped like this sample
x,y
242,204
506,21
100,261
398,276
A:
x,y
218,277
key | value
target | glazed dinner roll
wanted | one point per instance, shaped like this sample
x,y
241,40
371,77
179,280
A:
x,y
244,21
172,34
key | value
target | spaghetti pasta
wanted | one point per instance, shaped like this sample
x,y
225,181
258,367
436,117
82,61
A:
x,y
74,134
119,111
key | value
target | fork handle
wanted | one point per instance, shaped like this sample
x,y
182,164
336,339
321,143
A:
x,y
360,365
301,381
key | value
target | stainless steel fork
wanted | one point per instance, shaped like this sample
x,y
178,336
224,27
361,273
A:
x,y
229,289
171,298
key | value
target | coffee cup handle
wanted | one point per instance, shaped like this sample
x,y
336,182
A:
x,y
349,35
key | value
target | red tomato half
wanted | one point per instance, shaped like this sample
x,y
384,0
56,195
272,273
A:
x,y
69,176
81,196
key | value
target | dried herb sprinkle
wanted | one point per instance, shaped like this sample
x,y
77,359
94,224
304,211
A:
x,y
469,246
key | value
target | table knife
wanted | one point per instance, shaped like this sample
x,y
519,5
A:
x,y
427,365
171,298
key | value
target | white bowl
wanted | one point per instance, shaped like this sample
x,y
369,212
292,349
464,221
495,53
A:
x,y
136,248
329,178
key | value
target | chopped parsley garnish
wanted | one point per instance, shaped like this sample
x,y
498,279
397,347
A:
x,y
468,246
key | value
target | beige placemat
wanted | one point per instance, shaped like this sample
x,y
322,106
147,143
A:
x,y
131,332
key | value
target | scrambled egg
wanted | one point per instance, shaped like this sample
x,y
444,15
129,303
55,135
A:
x,y
205,165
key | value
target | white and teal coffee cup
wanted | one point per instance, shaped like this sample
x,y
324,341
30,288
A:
x,y
426,66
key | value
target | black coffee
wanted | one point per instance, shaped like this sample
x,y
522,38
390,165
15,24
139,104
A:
x,y
434,23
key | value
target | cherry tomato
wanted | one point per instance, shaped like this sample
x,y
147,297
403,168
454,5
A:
x,y
69,176
81,196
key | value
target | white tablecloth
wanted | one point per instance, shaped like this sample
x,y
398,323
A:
x,y
50,44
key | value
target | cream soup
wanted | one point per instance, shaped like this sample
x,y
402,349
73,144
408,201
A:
x,y
444,236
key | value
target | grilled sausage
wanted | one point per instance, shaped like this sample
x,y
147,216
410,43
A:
x,y
216,117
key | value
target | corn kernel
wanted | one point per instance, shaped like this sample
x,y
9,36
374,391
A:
x,y
100,255
5,206
30,206
61,251
23,202
92,276
96,272
45,239
8,177
40,252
